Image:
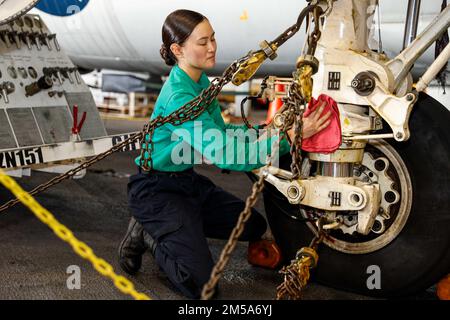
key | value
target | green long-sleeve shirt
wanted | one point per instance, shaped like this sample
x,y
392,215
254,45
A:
x,y
177,148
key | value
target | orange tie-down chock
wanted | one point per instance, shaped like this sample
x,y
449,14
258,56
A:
x,y
264,253
443,288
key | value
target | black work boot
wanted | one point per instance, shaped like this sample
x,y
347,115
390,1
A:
x,y
133,246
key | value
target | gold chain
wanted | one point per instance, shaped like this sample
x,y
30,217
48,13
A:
x,y
297,274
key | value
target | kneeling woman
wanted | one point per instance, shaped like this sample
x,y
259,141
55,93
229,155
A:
x,y
175,209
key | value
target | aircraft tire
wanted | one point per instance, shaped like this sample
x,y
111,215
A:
x,y
420,254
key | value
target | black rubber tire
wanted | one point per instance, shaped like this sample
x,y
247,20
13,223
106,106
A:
x,y
420,255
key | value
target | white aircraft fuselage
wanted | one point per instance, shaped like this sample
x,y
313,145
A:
x,y
126,36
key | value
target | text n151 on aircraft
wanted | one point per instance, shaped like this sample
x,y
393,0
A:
x,y
21,158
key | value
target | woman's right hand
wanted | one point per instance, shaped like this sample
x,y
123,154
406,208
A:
x,y
313,124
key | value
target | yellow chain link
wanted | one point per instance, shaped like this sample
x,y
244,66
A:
x,y
82,249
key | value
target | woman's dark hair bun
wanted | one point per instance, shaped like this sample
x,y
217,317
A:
x,y
167,56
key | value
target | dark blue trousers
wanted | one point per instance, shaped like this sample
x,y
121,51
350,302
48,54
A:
x,y
180,210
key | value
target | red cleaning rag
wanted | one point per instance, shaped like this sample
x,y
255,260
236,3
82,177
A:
x,y
329,139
